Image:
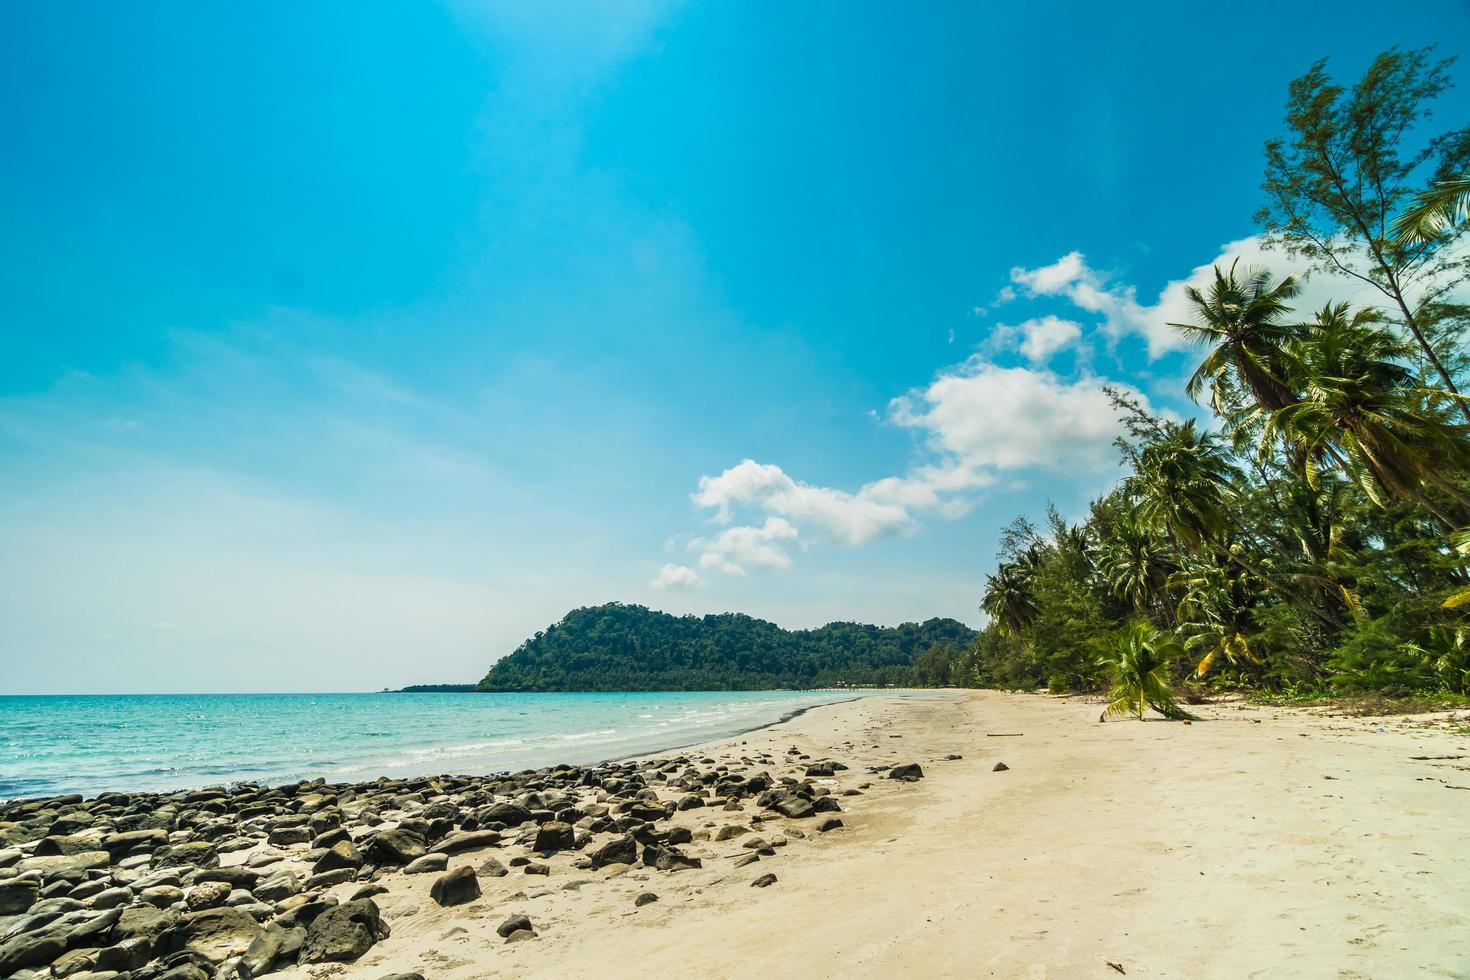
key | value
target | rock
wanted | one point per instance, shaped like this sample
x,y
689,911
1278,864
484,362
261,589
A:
x,y
730,832
555,836
910,773
537,869
162,896
750,857
492,868
515,923
65,865
18,896
270,947
65,844
1000,767
286,836
194,853
764,881
215,934
466,840
619,850
327,879
30,949
820,769
396,846
796,807
830,823
75,962
508,814
343,933
143,922
402,976
343,854
110,898
520,936
210,894
669,859
646,898
130,841
278,887
427,864
456,887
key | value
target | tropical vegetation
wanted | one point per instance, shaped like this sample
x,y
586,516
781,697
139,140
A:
x,y
617,647
1306,530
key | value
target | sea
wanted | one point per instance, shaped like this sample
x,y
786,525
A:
x,y
89,744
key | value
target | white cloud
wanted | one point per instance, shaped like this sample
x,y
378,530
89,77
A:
x,y
985,418
673,576
736,547
850,518
1122,314
1038,339
979,419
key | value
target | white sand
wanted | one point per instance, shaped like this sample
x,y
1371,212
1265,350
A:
x,y
1261,842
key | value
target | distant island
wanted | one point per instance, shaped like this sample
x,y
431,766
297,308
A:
x,y
618,647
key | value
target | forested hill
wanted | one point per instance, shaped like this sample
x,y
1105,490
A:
x,y
620,647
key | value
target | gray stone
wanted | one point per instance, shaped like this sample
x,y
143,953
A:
x,y
428,864
456,887
343,933
515,923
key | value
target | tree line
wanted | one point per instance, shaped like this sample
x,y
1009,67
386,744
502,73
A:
x,y
1307,532
618,647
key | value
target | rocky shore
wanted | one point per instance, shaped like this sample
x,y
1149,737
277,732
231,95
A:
x,y
249,880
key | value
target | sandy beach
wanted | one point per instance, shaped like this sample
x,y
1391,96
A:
x,y
1254,842
1261,842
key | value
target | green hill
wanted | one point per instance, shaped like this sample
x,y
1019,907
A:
x,y
619,647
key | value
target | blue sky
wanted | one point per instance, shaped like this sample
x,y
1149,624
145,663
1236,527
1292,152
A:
x,y
346,344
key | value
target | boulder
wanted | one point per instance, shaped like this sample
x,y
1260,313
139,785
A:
x,y
764,881
830,823
619,850
343,933
1000,767
17,897
31,949
207,895
215,934
555,836
508,814
428,864
909,773
143,922
492,868
456,887
397,846
65,865
343,854
466,840
277,887
272,946
515,923
645,898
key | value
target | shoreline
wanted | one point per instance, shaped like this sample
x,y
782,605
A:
x,y
1261,841
345,771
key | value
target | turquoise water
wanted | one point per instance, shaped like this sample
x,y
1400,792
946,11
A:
x,y
93,743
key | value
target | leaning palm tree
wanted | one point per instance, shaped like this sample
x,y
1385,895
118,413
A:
x,y
1214,616
1140,661
1434,212
1009,599
1244,322
1363,406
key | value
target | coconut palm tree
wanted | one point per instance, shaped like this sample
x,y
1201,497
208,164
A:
x,y
1140,660
1243,319
1009,599
1434,212
1214,615
1181,484
1362,406
1132,563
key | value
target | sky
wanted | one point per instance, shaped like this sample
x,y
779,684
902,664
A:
x,y
344,345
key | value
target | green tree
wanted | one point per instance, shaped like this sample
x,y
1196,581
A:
x,y
1139,663
1351,162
